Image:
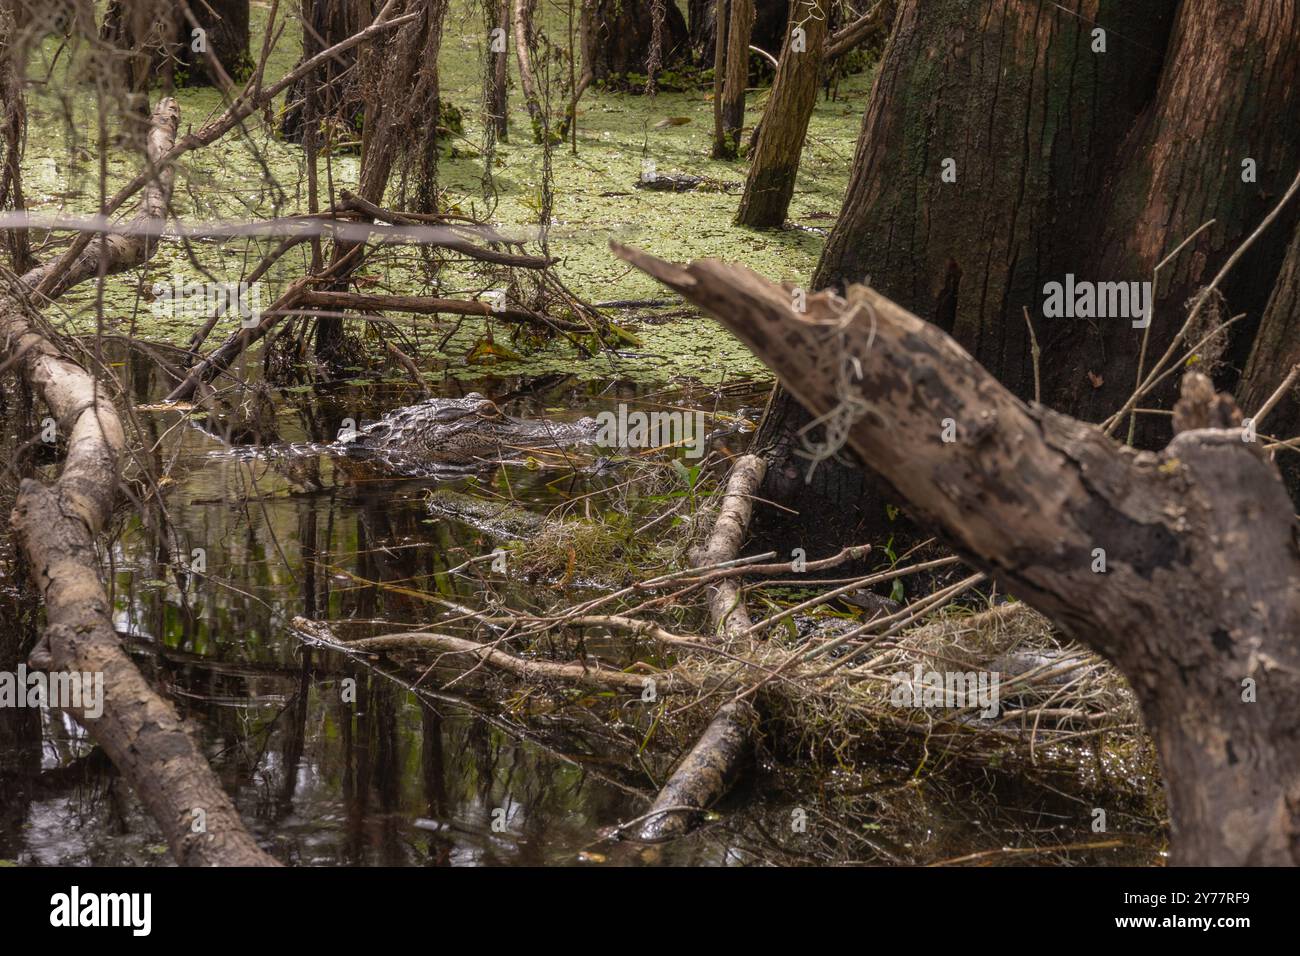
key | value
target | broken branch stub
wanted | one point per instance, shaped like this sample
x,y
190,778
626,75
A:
x,y
1181,567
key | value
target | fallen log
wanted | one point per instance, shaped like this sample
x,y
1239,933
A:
x,y
708,770
426,305
57,526
727,610
704,775
1182,567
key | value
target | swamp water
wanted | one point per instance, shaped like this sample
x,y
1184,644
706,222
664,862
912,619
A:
x,y
429,767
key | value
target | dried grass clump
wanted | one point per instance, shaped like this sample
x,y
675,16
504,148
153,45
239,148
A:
x,y
1062,709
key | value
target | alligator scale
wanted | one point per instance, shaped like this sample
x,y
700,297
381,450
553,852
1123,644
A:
x,y
455,432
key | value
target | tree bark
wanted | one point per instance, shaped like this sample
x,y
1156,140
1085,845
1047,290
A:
x,y
623,34
159,37
225,26
775,162
1229,92
768,33
1199,599
57,525
1276,352
148,35
498,78
726,139
523,17
1064,160
13,123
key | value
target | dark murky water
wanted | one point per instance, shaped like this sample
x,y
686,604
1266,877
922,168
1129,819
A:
x,y
475,771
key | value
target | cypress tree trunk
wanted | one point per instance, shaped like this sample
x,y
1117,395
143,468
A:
x,y
497,76
325,23
775,164
147,33
225,27
1068,151
1276,352
1230,92
964,196
726,138
622,35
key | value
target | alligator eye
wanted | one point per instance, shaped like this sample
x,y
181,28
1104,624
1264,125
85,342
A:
x,y
489,410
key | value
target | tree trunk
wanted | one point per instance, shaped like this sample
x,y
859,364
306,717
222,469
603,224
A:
x,y
1230,91
1051,158
161,37
720,72
726,138
775,162
1276,353
623,34
13,124
401,123
225,32
1197,598
497,79
148,34
768,33
523,24
337,103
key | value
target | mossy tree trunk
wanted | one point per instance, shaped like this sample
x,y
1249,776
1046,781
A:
x,y
775,162
731,115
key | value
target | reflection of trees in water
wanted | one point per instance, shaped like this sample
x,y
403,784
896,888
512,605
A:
x,y
318,778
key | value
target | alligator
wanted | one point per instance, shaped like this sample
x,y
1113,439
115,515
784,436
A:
x,y
441,433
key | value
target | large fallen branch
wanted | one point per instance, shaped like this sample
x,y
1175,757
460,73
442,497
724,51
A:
x,y
427,305
727,610
57,526
706,772
1181,567
871,24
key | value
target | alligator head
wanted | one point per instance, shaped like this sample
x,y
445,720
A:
x,y
449,432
